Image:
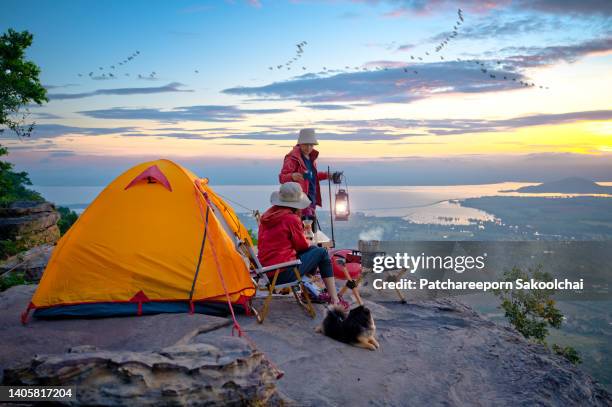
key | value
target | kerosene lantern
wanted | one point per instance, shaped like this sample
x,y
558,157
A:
x,y
342,208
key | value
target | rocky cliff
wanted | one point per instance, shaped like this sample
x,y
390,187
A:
x,y
29,224
224,371
433,352
30,230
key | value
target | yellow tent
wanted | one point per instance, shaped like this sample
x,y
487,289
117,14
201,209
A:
x,y
157,239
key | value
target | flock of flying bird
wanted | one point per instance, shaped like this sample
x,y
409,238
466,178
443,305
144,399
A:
x,y
484,68
111,72
298,54
445,42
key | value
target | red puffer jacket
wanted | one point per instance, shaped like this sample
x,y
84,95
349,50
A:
x,y
280,237
295,163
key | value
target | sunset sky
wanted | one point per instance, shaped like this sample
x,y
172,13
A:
x,y
235,117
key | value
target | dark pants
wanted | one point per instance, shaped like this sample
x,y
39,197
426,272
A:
x,y
311,258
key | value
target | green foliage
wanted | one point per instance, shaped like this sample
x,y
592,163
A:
x,y
19,86
12,279
19,82
8,248
67,219
568,353
12,184
253,236
531,312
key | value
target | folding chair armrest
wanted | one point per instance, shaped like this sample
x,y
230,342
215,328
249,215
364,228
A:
x,y
273,267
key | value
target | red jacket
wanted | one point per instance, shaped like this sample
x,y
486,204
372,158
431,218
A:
x,y
280,237
294,163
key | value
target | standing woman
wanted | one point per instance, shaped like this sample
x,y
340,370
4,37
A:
x,y
300,166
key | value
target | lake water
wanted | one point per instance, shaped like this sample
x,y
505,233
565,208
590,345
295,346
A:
x,y
420,204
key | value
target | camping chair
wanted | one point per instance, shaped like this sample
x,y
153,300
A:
x,y
262,282
258,272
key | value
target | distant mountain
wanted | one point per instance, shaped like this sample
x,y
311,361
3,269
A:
x,y
573,185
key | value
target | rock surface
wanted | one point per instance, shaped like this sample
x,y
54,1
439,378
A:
x,y
31,263
224,371
20,342
435,352
156,360
29,224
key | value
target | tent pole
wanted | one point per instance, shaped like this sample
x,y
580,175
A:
x,y
331,214
197,271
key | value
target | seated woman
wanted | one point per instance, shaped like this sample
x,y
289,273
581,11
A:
x,y
281,238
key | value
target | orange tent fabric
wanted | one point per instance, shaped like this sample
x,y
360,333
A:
x,y
137,247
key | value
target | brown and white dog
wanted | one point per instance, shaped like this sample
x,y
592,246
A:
x,y
355,327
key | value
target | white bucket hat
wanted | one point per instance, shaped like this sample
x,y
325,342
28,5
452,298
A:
x,y
290,194
307,136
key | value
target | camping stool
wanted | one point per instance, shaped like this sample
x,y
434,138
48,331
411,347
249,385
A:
x,y
260,273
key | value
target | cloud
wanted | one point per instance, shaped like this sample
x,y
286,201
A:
x,y
406,47
62,153
360,134
31,145
537,56
67,85
394,85
447,127
58,130
531,24
45,115
384,64
401,8
384,86
207,113
103,78
177,135
171,87
603,7
328,107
